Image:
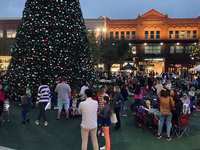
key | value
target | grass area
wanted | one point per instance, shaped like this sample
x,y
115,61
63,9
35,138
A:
x,y
66,135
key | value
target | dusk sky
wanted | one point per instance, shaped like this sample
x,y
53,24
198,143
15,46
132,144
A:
x,y
116,8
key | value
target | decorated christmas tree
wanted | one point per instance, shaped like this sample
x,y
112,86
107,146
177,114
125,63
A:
x,y
50,42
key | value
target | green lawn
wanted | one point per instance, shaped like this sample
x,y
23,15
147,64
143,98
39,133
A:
x,y
65,135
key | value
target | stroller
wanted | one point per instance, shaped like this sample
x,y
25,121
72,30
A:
x,y
140,116
144,119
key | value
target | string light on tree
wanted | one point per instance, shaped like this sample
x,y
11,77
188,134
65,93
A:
x,y
51,41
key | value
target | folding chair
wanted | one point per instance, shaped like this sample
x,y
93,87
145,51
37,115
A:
x,y
183,126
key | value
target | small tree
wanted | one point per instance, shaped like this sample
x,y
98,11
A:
x,y
114,52
195,53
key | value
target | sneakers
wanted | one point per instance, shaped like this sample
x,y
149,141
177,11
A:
x,y
124,115
159,136
103,148
168,138
45,123
37,122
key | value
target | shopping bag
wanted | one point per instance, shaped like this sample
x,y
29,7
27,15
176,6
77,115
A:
x,y
48,106
6,105
113,118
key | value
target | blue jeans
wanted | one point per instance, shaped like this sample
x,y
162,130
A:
x,y
42,114
24,112
162,119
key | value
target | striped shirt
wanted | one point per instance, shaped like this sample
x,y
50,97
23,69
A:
x,y
101,101
43,93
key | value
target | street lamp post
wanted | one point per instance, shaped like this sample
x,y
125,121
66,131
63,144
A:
x,y
101,33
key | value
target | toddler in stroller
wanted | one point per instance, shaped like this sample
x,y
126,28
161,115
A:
x,y
145,118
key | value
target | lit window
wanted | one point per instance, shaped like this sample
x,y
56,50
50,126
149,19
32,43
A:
x,y
172,49
133,34
188,34
179,49
128,35
122,35
146,35
194,34
152,49
177,34
4,62
171,34
11,33
134,50
117,35
1,33
111,35
182,35
152,35
157,34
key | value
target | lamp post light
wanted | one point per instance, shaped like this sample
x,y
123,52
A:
x,y
101,32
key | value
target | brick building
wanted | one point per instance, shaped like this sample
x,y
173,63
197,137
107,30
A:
x,y
158,42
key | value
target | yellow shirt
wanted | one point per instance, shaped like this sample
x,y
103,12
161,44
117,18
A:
x,y
166,104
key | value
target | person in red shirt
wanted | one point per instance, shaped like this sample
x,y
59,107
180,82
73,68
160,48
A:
x,y
2,100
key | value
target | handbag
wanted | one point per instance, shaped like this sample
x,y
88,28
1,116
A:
x,y
48,106
113,118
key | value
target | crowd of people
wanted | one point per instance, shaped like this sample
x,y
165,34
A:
x,y
103,104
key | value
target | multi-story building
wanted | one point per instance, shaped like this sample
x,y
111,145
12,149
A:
x,y
7,37
8,28
158,42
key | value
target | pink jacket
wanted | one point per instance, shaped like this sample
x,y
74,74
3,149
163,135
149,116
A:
x,y
138,96
2,96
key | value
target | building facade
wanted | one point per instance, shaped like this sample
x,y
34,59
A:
x,y
158,42
8,30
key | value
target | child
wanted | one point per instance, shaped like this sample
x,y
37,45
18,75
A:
x,y
186,104
74,105
192,95
25,107
43,101
6,110
106,122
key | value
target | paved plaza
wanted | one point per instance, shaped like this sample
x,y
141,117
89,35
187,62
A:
x,y
66,135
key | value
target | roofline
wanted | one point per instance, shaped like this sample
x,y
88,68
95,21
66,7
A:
x,y
112,19
19,18
10,18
